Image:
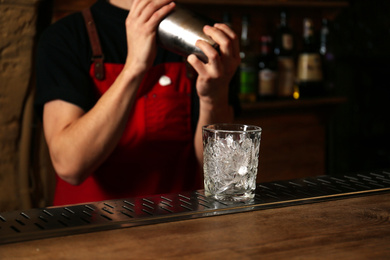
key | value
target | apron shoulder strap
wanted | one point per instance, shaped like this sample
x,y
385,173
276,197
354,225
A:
x,y
97,54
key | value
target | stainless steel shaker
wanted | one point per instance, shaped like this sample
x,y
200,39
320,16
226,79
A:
x,y
179,31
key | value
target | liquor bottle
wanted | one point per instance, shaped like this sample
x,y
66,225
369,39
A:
x,y
267,69
227,19
324,37
248,66
284,50
327,56
309,76
284,39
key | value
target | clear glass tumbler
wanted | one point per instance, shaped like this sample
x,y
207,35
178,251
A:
x,y
230,161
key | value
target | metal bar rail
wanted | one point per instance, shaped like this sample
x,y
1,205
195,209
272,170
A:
x,y
112,214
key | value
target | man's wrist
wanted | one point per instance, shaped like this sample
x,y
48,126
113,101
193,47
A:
x,y
133,74
216,111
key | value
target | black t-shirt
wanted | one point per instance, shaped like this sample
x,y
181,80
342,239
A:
x,y
64,58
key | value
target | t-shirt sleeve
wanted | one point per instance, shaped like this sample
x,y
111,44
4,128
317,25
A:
x,y
62,66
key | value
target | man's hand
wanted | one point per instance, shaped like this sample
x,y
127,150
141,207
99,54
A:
x,y
141,26
215,76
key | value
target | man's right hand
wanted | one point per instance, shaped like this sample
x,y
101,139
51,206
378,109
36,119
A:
x,y
141,28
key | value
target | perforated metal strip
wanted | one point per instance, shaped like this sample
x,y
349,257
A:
x,y
58,221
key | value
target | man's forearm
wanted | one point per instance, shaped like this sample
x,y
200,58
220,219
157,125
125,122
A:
x,y
210,114
80,143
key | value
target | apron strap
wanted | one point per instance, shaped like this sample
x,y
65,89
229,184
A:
x,y
97,54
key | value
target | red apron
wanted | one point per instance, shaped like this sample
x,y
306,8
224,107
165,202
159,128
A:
x,y
155,154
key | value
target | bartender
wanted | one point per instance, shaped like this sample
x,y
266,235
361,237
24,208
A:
x,y
136,130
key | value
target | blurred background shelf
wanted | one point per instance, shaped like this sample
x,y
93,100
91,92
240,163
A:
x,y
295,135
272,105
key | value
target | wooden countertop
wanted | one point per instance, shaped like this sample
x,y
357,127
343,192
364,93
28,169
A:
x,y
354,228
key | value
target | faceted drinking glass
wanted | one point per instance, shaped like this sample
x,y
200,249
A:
x,y
230,161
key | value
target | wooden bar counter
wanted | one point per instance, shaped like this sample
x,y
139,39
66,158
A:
x,y
352,228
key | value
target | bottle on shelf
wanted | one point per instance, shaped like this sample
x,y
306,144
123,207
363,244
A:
x,y
324,36
267,69
248,67
327,56
309,74
284,50
227,19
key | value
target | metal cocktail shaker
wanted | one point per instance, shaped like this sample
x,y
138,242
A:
x,y
179,31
